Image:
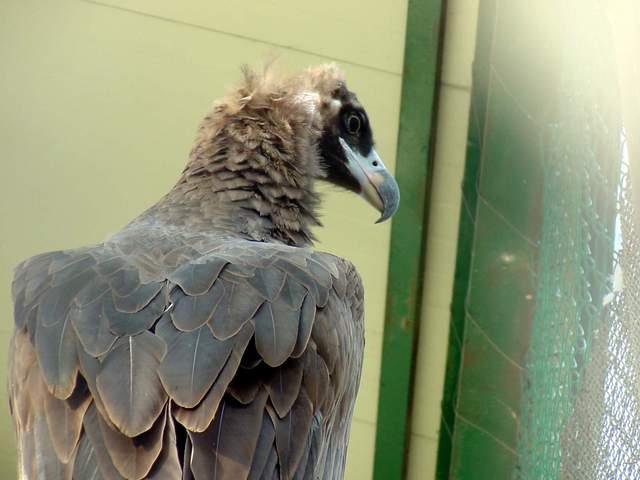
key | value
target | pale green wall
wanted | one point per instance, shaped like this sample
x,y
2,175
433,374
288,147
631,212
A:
x,y
99,105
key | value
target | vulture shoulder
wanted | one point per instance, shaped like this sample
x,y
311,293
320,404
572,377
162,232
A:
x,y
222,358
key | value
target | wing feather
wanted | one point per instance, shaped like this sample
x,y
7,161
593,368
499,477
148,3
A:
x,y
93,435
190,312
276,332
193,361
64,418
86,464
56,350
292,433
129,385
47,464
92,328
134,457
226,448
167,466
305,325
123,323
238,306
283,385
265,445
138,298
197,278
243,343
197,419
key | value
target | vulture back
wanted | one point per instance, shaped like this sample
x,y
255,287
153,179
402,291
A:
x,y
166,356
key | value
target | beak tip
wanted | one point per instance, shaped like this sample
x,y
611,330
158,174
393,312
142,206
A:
x,y
390,194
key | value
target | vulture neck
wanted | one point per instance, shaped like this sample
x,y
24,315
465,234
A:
x,y
243,195
252,171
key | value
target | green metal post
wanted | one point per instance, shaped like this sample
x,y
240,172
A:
x,y
413,171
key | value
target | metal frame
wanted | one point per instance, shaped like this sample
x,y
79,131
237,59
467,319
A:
x,y
416,139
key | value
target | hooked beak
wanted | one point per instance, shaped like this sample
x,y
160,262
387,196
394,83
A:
x,y
377,185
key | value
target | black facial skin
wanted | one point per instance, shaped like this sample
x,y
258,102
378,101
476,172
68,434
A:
x,y
352,124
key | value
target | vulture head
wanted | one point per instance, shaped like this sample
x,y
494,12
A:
x,y
265,144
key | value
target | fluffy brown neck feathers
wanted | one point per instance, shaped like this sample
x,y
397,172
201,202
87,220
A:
x,y
255,161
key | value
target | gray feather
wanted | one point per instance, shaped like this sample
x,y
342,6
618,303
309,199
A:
x,y
89,368
309,461
283,385
197,278
94,435
226,448
86,464
271,470
137,299
325,336
64,418
20,310
192,363
129,385
316,377
192,311
167,466
47,464
63,259
237,307
110,266
56,301
94,290
133,323
320,272
56,350
197,419
246,384
305,325
68,272
276,332
92,328
124,282
265,446
320,293
292,432
268,282
35,287
134,457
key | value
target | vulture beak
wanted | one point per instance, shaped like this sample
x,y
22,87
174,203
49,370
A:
x,y
377,185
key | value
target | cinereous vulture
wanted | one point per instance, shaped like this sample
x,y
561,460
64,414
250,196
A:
x,y
206,340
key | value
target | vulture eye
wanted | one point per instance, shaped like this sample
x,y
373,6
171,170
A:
x,y
353,123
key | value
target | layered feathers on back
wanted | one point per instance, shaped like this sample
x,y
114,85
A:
x,y
205,340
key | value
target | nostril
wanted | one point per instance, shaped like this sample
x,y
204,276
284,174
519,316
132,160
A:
x,y
375,163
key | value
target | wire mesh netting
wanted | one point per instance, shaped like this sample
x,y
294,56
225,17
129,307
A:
x,y
580,397
548,369
581,156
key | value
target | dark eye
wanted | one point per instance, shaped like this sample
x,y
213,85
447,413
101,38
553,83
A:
x,y
353,123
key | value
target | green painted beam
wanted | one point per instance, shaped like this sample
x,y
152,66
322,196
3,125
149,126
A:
x,y
416,140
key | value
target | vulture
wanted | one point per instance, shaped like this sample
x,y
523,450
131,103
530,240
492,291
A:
x,y
207,340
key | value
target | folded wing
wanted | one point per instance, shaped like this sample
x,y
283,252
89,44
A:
x,y
233,357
